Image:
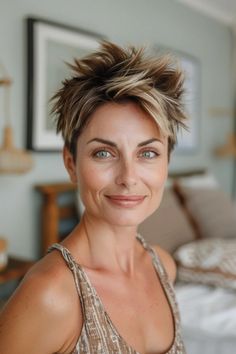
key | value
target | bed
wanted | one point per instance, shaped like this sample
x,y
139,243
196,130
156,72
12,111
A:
x,y
208,318
196,222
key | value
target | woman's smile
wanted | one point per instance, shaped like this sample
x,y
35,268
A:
x,y
126,201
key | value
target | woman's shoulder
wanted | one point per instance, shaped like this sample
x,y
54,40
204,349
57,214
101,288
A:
x,y
53,283
167,261
46,268
45,297
48,275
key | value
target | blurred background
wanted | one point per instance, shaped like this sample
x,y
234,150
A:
x,y
202,34
206,36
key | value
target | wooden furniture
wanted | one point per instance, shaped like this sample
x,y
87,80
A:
x,y
16,269
52,212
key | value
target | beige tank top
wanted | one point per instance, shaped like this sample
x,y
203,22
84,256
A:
x,y
99,335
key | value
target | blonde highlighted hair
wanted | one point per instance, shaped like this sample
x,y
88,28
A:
x,y
116,74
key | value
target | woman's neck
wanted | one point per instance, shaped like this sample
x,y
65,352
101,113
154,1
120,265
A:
x,y
106,246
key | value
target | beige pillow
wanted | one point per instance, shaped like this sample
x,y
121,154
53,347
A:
x,y
205,180
168,226
209,261
211,210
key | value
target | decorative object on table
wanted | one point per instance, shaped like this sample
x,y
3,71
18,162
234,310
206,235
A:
x,y
228,149
50,46
3,253
12,159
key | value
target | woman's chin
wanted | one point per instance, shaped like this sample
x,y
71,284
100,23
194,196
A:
x,y
125,220
123,217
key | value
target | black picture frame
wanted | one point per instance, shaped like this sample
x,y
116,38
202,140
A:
x,y
49,45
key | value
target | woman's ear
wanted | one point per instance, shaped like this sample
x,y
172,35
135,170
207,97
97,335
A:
x,y
69,164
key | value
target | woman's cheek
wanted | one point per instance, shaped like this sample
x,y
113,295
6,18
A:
x,y
155,177
94,177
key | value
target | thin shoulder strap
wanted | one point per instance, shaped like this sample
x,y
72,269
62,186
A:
x,y
158,265
154,255
94,313
65,254
74,267
164,278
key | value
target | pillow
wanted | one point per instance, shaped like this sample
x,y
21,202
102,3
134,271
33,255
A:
x,y
168,226
206,180
211,262
210,209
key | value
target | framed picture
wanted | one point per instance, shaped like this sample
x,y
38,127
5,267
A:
x,y
188,141
50,46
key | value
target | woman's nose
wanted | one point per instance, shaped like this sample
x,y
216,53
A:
x,y
127,174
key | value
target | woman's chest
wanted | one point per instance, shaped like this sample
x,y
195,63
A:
x,y
140,313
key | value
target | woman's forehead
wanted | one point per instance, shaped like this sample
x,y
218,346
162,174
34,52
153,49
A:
x,y
121,119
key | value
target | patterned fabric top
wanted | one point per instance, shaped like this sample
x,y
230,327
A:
x,y
98,335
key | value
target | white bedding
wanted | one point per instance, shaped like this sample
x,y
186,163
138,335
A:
x,y
208,317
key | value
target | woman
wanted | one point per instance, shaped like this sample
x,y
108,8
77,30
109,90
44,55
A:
x,y
118,116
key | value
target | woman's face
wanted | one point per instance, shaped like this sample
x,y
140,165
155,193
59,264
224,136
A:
x,y
121,165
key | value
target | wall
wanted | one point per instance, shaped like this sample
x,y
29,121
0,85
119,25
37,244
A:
x,y
126,21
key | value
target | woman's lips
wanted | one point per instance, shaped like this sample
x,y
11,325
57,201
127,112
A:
x,y
126,200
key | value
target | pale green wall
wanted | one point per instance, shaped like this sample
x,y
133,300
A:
x,y
125,21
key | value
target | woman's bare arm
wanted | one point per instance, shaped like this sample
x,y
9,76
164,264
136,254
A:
x,y
35,320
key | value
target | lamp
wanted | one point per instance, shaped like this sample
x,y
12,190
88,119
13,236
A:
x,y
12,159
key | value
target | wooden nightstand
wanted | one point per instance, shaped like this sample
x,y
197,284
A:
x,y
52,212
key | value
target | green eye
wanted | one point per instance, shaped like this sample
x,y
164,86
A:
x,y
149,154
102,154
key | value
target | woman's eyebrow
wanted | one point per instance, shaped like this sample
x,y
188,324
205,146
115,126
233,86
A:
x,y
111,143
103,141
149,141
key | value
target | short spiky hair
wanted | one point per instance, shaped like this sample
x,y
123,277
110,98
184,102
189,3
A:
x,y
115,74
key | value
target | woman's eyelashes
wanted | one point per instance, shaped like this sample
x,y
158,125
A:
x,y
105,154
102,154
149,154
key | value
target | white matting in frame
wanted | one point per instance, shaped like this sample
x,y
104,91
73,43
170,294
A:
x,y
50,47
188,141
